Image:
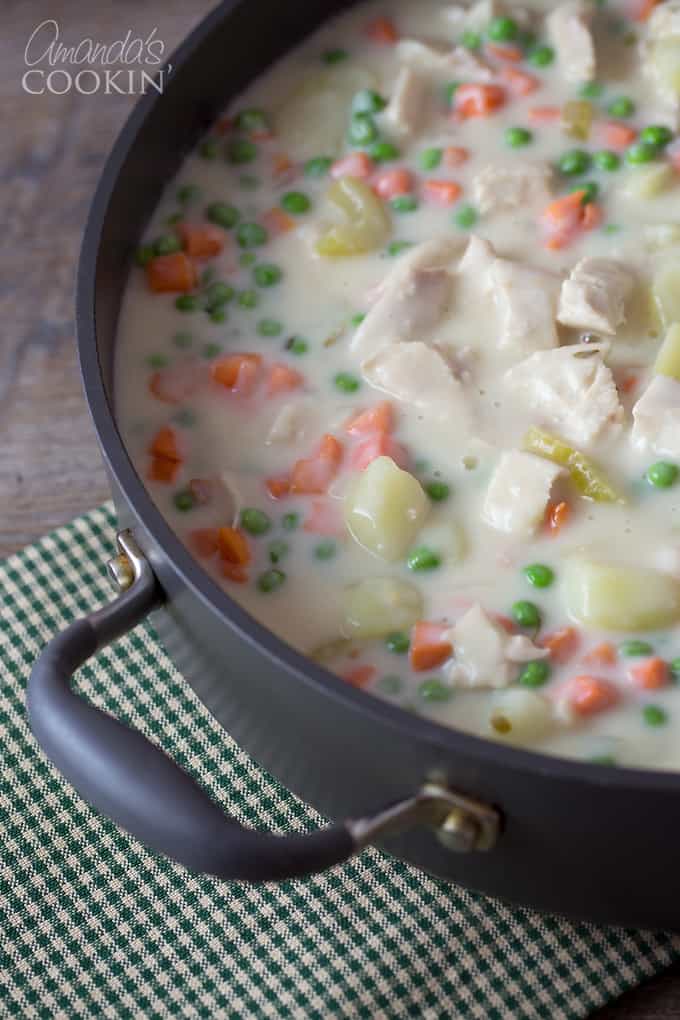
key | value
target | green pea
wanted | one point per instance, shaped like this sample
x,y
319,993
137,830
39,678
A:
x,y
541,56
277,550
390,684
188,193
241,150
269,327
434,690
574,162
266,274
368,101
591,90
654,715
252,120
656,134
209,148
526,614
634,648
211,351
270,581
539,575
295,202
218,314
186,302
248,299
641,152
423,558
591,189
182,339
623,106
662,475
607,160
173,220
466,217
503,29
383,152
247,259
255,522
404,203
471,40
674,665
297,345
167,244
398,247
144,254
430,158
223,214
157,361
398,642
346,382
318,166
335,56
251,235
516,137
535,673
438,491
218,294
183,500
362,129
450,90
290,521
325,550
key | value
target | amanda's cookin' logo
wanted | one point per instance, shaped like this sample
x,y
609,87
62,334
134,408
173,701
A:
x,y
90,66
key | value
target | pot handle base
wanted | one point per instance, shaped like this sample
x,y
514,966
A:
x,y
132,781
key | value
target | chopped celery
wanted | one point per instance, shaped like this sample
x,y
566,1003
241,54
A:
x,y
590,481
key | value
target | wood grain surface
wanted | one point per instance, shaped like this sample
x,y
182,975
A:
x,y
51,151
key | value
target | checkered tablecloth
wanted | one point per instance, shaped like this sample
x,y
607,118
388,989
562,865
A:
x,y
92,925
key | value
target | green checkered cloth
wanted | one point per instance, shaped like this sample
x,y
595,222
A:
x,y
92,925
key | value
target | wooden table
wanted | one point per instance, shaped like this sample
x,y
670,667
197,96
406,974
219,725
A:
x,y
52,151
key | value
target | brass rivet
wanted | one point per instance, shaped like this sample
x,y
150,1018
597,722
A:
x,y
459,831
121,572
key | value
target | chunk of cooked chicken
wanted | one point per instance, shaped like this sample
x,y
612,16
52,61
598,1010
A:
x,y
569,30
422,377
515,185
295,421
477,260
656,417
594,297
519,492
403,114
485,655
570,389
436,60
526,300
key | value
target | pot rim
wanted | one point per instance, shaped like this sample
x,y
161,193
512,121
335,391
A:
x,y
405,724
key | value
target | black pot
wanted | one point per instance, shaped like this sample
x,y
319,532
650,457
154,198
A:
x,y
559,835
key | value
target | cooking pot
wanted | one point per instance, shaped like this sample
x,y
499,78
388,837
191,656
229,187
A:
x,y
557,835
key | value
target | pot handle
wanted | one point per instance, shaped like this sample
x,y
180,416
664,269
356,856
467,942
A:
x,y
133,782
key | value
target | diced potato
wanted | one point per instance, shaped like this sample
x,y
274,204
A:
x,y
659,236
314,118
665,60
668,358
577,118
618,597
520,716
379,605
385,509
365,224
648,181
666,288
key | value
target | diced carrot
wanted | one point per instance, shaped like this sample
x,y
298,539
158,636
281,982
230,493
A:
x,y
379,418
282,379
382,31
478,100
455,155
356,164
325,518
165,445
330,449
557,515
360,676
520,83
163,470
203,542
429,647
640,10
592,216
562,644
174,273
562,219
442,192
378,445
201,240
276,222
233,546
278,487
505,622
650,675
603,654
673,153
616,135
234,572
237,372
202,489
628,383
513,54
282,164
313,475
391,183
588,695
544,114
